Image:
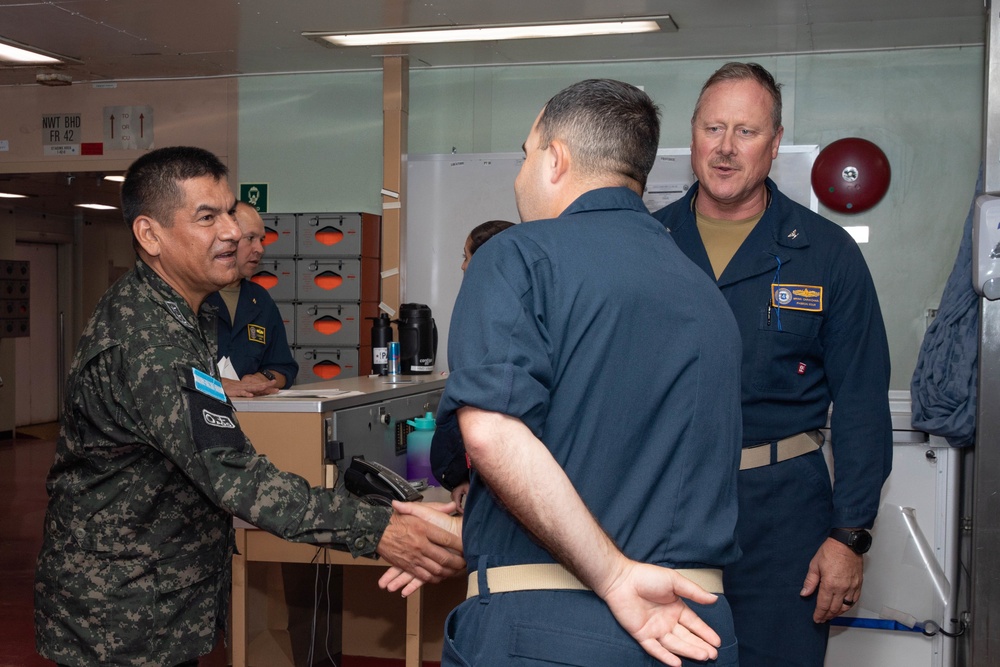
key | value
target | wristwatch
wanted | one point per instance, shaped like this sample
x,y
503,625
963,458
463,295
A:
x,y
266,373
859,541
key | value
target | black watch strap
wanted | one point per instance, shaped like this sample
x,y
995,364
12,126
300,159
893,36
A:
x,y
268,374
858,540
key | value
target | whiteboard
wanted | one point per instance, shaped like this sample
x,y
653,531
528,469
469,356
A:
x,y
450,194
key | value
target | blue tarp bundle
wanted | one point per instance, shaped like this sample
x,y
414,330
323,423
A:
x,y
943,389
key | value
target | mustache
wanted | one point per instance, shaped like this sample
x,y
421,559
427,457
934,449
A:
x,y
723,162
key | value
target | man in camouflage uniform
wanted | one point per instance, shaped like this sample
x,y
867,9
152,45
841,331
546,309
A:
x,y
151,463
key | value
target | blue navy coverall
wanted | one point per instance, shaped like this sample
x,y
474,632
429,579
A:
x,y
595,331
795,362
257,339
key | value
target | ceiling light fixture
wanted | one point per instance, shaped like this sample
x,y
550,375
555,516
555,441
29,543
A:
x,y
22,54
484,33
11,195
115,178
97,207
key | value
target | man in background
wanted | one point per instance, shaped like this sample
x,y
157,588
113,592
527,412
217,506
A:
x,y
812,333
151,464
251,330
600,409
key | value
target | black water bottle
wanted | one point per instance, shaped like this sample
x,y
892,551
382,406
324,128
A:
x,y
381,337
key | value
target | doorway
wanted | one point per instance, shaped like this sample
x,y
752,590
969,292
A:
x,y
37,356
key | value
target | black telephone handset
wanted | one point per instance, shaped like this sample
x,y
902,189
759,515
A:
x,y
374,481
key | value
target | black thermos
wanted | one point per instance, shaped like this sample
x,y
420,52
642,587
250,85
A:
x,y
417,339
381,337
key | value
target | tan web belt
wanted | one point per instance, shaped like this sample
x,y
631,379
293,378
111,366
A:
x,y
554,577
788,448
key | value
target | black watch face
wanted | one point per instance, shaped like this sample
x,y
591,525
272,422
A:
x,y
861,541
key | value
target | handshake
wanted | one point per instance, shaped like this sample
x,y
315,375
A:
x,y
422,543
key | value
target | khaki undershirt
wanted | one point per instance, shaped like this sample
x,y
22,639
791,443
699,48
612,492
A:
x,y
231,295
722,238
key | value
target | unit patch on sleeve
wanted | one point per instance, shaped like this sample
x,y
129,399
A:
x,y
211,417
797,297
213,424
257,334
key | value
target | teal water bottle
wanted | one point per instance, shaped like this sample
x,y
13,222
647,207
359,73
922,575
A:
x,y
418,449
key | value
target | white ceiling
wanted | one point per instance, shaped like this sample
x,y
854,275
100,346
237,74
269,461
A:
x,y
154,39
148,39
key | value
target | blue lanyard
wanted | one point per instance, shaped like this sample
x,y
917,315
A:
x,y
770,299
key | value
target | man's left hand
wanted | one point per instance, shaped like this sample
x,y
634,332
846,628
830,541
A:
x,y
251,384
835,574
646,601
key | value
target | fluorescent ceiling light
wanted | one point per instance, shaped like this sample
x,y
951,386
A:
x,y
11,195
489,33
22,54
98,207
116,179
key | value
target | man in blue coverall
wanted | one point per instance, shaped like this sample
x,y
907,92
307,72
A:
x,y
595,378
251,330
812,333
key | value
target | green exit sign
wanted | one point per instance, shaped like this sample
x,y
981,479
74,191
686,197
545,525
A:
x,y
254,194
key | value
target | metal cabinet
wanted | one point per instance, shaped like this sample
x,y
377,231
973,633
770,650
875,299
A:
x,y
322,269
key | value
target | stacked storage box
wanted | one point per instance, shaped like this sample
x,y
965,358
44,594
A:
x,y
322,269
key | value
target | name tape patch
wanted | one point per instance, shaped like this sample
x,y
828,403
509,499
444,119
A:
x,y
218,421
257,334
797,297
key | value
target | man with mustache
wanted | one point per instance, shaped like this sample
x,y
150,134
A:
x,y
812,333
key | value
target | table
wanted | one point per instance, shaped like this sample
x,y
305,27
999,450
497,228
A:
x,y
293,431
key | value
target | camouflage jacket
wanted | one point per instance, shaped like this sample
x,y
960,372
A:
x,y
149,469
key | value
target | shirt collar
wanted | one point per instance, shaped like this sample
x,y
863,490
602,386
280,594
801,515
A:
x,y
601,199
165,295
